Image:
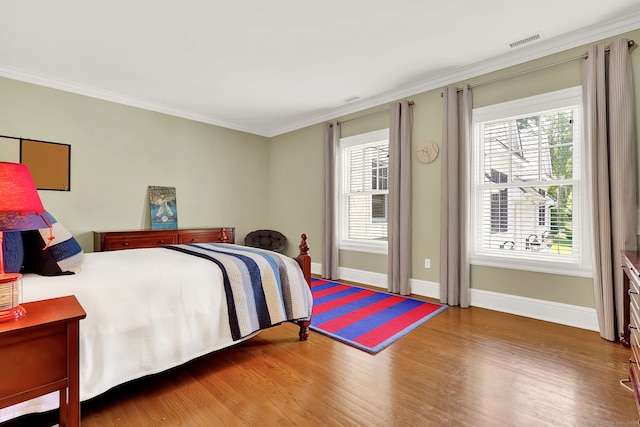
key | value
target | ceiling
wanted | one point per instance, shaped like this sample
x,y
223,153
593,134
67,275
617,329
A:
x,y
268,67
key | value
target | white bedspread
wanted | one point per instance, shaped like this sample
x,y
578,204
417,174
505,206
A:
x,y
149,319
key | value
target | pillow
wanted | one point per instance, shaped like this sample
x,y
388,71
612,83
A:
x,y
12,251
63,256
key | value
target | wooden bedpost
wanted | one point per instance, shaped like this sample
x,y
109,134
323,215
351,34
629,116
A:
x,y
304,259
305,264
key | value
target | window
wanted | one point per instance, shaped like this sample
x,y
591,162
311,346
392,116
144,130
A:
x,y
364,191
527,207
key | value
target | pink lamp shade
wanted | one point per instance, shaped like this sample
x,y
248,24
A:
x,y
20,209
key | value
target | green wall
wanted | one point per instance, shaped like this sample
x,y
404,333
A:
x,y
426,179
221,176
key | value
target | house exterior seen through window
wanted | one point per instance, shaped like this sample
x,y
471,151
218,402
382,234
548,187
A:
x,y
528,207
364,191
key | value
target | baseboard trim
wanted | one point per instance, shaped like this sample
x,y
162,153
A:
x,y
549,311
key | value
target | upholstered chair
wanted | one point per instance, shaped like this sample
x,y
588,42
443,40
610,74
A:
x,y
266,239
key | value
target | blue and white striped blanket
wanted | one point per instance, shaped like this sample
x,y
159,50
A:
x,y
262,288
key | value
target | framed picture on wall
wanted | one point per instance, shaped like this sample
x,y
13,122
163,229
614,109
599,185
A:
x,y
163,207
48,162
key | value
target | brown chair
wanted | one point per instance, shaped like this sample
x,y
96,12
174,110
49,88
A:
x,y
266,239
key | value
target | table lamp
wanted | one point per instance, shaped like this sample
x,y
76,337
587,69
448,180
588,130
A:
x,y
20,209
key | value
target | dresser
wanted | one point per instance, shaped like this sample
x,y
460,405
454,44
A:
x,y
133,239
631,338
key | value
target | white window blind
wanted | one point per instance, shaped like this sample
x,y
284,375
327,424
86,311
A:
x,y
364,191
527,190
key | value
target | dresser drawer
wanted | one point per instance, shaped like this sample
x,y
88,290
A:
x,y
634,276
199,237
115,243
634,305
634,324
634,376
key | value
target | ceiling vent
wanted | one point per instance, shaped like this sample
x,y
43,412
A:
x,y
529,39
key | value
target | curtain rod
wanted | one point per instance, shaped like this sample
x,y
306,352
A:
x,y
366,115
631,43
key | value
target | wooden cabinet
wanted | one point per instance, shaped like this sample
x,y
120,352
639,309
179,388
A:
x,y
117,240
631,338
39,354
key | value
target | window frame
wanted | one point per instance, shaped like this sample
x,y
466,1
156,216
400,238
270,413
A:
x,y
581,265
345,243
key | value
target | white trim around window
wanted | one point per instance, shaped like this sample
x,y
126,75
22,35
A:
x,y
514,178
375,224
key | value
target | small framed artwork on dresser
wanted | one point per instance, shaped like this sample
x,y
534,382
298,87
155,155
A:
x,y
163,207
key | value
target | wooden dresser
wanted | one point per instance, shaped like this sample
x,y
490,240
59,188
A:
x,y
631,338
133,239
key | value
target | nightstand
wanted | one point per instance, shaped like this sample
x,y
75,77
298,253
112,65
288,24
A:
x,y
39,354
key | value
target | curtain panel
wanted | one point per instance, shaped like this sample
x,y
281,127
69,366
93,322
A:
x,y
399,225
454,208
329,204
610,143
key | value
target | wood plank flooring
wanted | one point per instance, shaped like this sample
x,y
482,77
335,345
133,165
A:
x,y
464,367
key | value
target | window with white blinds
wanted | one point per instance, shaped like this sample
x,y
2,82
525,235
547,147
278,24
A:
x,y
364,191
528,207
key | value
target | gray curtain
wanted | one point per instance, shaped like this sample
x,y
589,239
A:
x,y
455,164
610,141
329,232
399,231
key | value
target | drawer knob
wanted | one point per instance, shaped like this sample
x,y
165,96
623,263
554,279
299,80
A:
x,y
630,292
125,244
630,326
160,241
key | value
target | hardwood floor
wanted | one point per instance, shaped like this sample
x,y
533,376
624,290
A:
x,y
464,367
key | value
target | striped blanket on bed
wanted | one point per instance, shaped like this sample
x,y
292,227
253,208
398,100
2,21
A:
x,y
263,288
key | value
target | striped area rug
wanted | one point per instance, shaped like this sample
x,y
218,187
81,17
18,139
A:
x,y
364,318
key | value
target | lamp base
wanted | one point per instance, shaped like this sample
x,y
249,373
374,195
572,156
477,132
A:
x,y
10,297
15,313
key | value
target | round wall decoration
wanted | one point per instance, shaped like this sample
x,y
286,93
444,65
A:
x,y
427,151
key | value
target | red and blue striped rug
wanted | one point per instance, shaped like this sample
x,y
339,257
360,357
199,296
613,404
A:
x,y
364,318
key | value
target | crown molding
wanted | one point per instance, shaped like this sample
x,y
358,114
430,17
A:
x,y
92,92
520,55
527,53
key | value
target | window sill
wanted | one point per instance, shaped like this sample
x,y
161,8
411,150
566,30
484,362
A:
x,y
538,266
373,248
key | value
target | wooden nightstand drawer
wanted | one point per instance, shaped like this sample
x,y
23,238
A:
x,y
23,370
40,354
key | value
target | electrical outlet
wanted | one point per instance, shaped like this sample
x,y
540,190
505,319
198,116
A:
x,y
427,263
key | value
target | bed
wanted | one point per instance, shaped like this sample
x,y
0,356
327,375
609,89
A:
x,y
152,309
